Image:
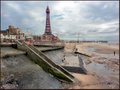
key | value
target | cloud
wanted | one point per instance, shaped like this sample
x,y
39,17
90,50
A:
x,y
92,19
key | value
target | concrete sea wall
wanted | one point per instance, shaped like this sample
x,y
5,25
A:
x,y
48,67
56,48
51,62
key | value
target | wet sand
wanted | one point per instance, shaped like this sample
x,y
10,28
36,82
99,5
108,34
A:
x,y
102,66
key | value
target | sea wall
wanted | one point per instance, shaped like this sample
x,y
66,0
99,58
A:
x,y
52,49
51,62
35,57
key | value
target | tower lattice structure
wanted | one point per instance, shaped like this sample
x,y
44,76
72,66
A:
x,y
48,27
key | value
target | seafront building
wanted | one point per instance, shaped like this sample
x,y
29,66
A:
x,y
11,34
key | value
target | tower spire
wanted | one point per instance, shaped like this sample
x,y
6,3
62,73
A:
x,y
47,27
48,36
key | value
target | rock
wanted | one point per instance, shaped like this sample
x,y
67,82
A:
x,y
108,83
10,83
10,86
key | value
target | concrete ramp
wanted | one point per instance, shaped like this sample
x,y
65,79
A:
x,y
47,65
51,62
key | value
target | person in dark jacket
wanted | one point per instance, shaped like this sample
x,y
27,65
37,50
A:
x,y
114,53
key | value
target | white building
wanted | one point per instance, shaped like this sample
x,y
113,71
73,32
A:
x,y
11,34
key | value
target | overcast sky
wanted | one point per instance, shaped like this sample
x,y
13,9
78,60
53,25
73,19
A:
x,y
93,20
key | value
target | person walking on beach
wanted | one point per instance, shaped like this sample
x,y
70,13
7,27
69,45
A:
x,y
114,53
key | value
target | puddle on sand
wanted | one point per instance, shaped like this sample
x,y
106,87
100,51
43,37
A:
x,y
89,50
99,69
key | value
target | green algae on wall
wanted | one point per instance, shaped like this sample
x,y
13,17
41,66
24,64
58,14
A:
x,y
44,64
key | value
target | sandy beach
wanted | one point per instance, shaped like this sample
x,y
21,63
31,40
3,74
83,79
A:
x,y
102,66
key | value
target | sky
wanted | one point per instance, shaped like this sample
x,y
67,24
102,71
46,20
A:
x,y
70,20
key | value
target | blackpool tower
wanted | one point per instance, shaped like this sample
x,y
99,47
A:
x,y
47,27
48,36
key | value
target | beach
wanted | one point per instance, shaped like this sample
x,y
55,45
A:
x,y
102,67
98,59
